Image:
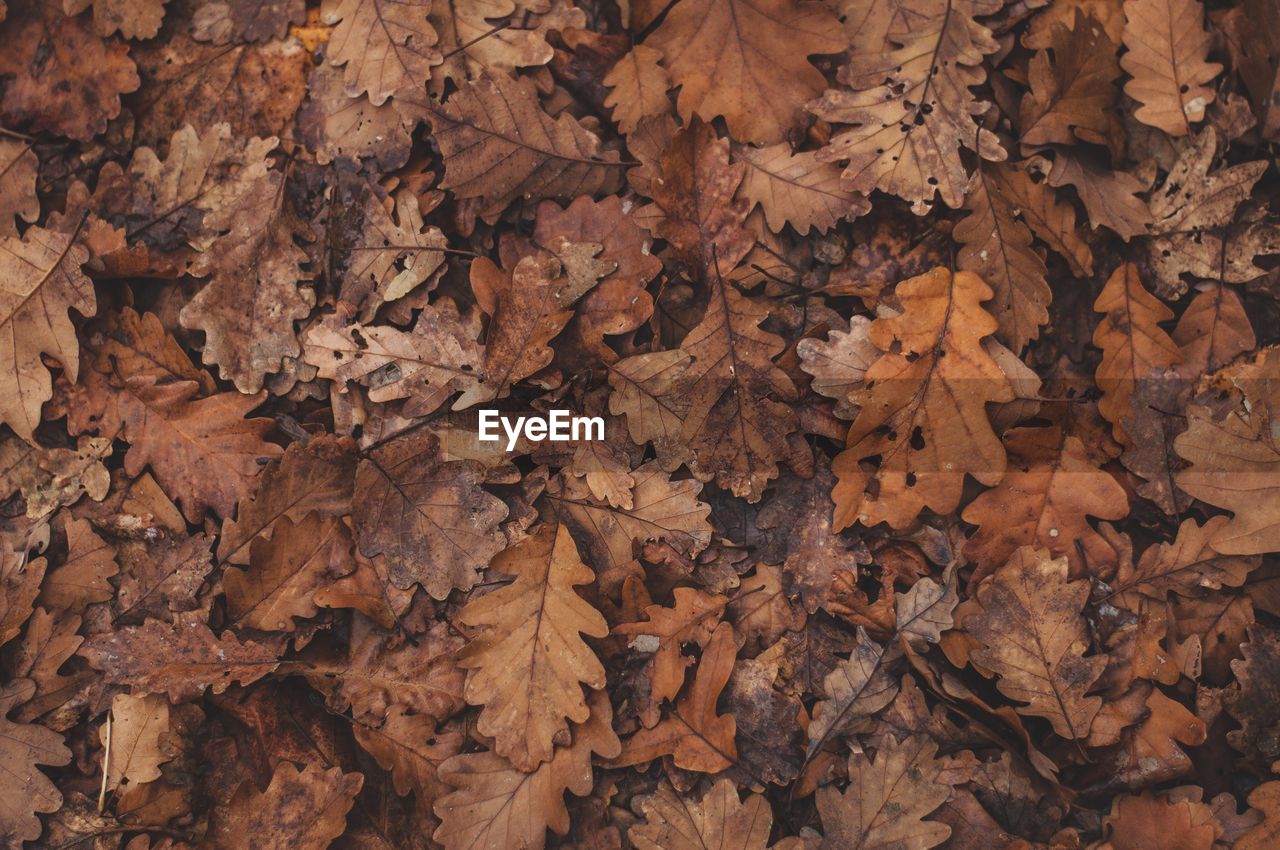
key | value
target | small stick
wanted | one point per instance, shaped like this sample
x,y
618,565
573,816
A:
x,y
106,765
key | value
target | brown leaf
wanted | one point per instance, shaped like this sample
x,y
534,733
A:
x,y
1044,500
429,517
1168,47
499,806
42,283
248,308
719,819
470,44
839,364
314,476
731,428
18,167
758,49
335,126
1072,94
797,189
639,86
934,390
301,810
285,571
1212,331
499,145
692,618
1132,342
888,800
182,658
139,727
384,46
223,21
692,733
909,107
412,748
65,79
1149,822
1110,197
1033,636
855,689
1233,467
47,479
1263,835
527,661
379,674
27,791
1187,566
661,510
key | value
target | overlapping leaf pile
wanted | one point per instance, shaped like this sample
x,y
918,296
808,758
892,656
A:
x,y
940,485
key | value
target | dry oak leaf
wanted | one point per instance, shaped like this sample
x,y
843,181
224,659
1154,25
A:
x,y
619,303
424,366
1152,424
800,512
661,510
224,21
1187,566
159,575
746,60
248,308
692,733
132,18
428,516
1072,95
1107,13
996,244
731,428
335,126
925,611
20,580
379,673
498,807
500,145
203,452
136,735
1034,638
64,78
161,204
694,189
797,189
40,281
527,660
82,577
285,571
1266,799
855,690
1044,500
923,406
471,43
607,472
639,86
529,307
45,647
908,105
1110,197
314,476
692,618
412,748
761,610
300,810
392,256
386,45
718,820
256,88
1148,822
1251,703
888,799
1193,211
27,791
839,364
1167,48
1212,331
1132,342
182,658
18,167
1235,465
48,479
